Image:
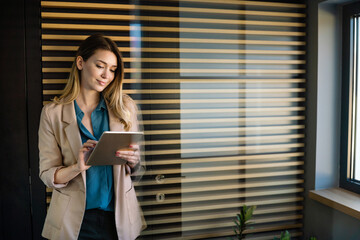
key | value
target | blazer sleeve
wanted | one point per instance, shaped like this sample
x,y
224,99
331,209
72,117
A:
x,y
140,169
50,157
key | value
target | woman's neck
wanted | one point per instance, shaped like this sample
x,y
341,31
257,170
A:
x,y
88,100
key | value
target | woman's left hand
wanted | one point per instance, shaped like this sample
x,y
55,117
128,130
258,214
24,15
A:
x,y
131,155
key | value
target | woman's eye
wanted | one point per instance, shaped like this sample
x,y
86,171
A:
x,y
98,66
111,70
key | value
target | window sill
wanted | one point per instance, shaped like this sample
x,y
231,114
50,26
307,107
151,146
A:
x,y
339,199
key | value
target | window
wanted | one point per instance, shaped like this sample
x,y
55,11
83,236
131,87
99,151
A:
x,y
350,139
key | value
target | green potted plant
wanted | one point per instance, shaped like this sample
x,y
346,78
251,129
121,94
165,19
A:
x,y
284,236
242,221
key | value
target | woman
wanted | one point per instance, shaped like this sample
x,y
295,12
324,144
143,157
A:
x,y
90,202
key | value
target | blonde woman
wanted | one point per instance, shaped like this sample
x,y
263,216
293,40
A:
x,y
90,202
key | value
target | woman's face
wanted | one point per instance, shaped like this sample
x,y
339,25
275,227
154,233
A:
x,y
98,71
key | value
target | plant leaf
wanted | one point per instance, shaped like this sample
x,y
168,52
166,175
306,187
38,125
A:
x,y
249,213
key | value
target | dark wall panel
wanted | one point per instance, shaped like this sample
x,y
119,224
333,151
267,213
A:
x,y
15,189
34,105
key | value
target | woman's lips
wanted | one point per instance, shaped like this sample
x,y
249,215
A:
x,y
101,82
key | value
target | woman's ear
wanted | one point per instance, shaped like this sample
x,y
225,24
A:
x,y
79,62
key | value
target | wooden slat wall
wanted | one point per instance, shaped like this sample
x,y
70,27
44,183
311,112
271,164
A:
x,y
221,87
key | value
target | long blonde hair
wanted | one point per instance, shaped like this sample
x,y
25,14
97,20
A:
x,y
113,94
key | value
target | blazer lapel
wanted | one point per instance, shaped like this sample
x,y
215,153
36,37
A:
x,y
72,132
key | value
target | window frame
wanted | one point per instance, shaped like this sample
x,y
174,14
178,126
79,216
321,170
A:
x,y
348,12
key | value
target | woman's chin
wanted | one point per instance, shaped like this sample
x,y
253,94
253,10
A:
x,y
99,89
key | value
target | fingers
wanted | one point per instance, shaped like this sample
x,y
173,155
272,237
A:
x,y
132,156
90,143
127,153
84,153
134,147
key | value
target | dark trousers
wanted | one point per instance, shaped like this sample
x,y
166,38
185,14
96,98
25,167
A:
x,y
98,225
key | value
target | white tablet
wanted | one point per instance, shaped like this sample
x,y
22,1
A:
x,y
109,143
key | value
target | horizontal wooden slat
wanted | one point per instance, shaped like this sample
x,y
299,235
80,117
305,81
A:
x,y
200,91
225,51
222,31
294,233
67,70
71,59
223,41
262,157
221,110
83,37
223,196
187,50
86,5
220,21
205,20
54,81
176,180
248,3
189,80
216,206
176,70
219,225
56,92
218,11
223,81
220,215
172,9
262,166
188,189
55,70
87,16
209,217
154,39
74,48
62,26
239,100
222,120
223,233
220,61
225,149
105,6
197,91
64,81
223,130
238,140
224,71
59,48
188,60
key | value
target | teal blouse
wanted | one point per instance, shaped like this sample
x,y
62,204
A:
x,y
99,179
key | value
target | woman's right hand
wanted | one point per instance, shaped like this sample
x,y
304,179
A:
x,y
84,153
66,174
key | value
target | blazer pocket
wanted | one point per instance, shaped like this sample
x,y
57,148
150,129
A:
x,y
132,206
58,206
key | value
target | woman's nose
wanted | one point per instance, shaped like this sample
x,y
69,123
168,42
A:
x,y
105,74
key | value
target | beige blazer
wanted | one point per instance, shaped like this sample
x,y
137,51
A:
x,y
59,144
